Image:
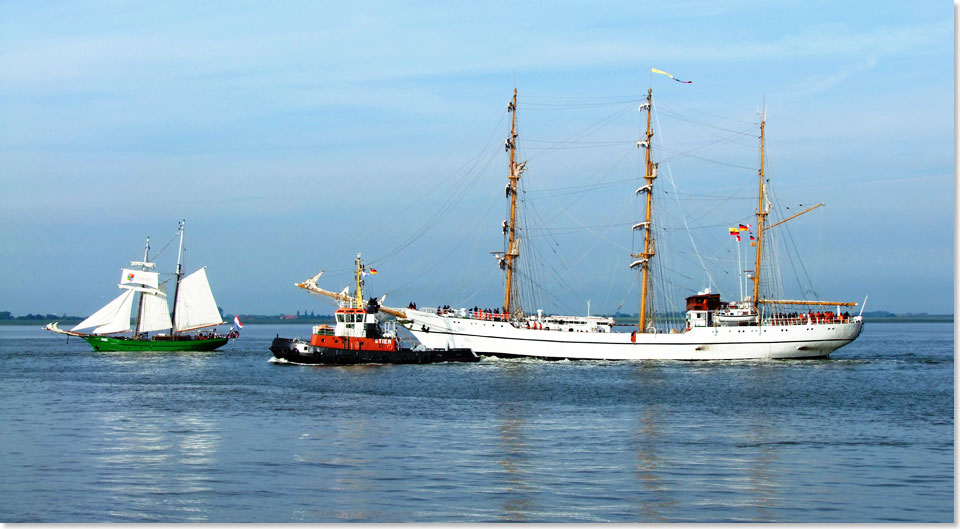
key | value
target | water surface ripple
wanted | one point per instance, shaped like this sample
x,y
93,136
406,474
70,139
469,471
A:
x,y
227,436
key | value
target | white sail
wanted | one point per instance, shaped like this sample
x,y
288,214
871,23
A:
x,y
138,277
196,307
155,315
113,317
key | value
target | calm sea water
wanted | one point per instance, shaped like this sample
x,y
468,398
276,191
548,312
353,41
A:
x,y
867,436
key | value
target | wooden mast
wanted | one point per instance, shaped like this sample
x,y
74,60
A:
x,y
511,253
761,217
648,242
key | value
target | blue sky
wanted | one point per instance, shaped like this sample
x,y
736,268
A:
x,y
292,136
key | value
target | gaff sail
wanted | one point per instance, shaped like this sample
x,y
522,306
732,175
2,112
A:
x,y
155,314
196,307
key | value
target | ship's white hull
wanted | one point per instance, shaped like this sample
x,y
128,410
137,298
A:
x,y
496,338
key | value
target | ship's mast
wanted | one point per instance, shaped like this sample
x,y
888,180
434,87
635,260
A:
x,y
643,259
146,259
359,276
761,216
176,292
512,250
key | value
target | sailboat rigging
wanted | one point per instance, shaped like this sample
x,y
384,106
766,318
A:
x,y
194,308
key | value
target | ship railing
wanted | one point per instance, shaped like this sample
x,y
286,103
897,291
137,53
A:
x,y
324,330
815,318
471,314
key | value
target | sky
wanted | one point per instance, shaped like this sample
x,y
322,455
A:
x,y
292,136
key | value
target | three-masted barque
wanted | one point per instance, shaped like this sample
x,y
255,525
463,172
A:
x,y
753,328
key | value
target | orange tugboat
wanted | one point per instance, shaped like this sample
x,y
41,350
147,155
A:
x,y
359,335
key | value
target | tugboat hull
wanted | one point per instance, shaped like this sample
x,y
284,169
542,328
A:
x,y
300,352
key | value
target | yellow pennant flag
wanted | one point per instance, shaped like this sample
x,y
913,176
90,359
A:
x,y
654,70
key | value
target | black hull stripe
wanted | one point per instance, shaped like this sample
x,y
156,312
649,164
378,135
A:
x,y
631,343
557,358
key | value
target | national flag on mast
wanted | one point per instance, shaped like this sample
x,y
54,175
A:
x,y
734,231
236,321
373,270
744,227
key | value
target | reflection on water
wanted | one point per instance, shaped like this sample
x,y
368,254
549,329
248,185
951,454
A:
x,y
230,437
157,465
654,498
512,459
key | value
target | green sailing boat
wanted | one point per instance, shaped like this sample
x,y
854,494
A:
x,y
194,308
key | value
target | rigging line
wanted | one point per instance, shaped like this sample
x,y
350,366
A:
x,y
548,294
468,167
591,128
724,198
431,216
560,277
578,228
476,240
569,147
577,142
434,220
678,108
673,184
796,251
595,242
165,246
602,178
483,285
609,99
705,124
437,263
625,296
531,210
678,154
612,183
717,206
714,143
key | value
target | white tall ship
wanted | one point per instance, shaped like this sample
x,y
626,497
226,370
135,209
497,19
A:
x,y
754,327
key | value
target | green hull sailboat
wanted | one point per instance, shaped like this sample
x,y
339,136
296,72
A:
x,y
107,343
194,308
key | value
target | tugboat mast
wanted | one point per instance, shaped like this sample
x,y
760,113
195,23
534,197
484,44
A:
x,y
643,258
358,302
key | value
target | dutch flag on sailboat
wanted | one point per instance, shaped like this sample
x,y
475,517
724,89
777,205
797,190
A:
x,y
236,321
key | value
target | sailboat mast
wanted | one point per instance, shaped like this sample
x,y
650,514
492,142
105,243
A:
x,y
146,259
648,243
511,252
761,216
176,292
